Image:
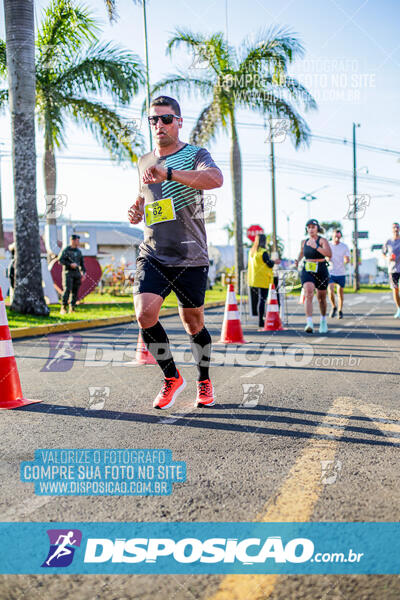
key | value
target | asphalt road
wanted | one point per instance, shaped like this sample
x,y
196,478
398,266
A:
x,y
286,402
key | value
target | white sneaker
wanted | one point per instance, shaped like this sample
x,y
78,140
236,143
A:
x,y
309,329
323,327
397,314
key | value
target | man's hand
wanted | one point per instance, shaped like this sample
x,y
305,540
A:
x,y
74,265
312,243
83,276
154,174
136,211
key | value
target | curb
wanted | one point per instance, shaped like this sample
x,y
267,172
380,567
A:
x,y
40,330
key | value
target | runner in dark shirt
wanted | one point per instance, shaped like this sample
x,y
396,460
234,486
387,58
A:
x,y
173,255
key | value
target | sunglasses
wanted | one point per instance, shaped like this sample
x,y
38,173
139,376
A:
x,y
165,119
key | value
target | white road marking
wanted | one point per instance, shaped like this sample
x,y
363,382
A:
x,y
254,372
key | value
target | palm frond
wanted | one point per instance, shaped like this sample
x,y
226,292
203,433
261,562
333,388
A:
x,y
252,84
206,127
176,84
3,59
112,9
103,68
64,26
50,119
276,107
275,47
107,126
3,100
213,51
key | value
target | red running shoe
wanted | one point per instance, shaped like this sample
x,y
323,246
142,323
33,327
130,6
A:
x,y
172,387
205,394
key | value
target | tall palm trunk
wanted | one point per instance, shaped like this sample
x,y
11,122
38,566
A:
x,y
20,43
236,174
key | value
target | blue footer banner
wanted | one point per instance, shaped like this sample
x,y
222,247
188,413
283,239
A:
x,y
195,548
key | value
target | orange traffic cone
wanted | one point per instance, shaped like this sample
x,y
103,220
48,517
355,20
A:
x,y
231,327
143,356
302,298
10,385
273,321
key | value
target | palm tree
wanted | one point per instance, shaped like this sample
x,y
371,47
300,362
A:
x,y
20,64
71,68
255,77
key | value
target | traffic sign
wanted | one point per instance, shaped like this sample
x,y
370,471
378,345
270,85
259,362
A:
x,y
362,235
252,231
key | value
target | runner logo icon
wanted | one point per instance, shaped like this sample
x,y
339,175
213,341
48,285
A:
x,y
62,547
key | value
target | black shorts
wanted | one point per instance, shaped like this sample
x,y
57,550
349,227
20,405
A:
x,y
320,279
188,283
394,280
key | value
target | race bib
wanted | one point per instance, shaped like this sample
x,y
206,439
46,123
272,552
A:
x,y
311,266
159,211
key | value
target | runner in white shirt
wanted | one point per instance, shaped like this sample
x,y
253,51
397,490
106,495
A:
x,y
337,274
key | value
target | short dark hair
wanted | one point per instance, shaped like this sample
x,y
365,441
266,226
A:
x,y
167,101
338,231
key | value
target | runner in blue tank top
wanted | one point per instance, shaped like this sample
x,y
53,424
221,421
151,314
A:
x,y
314,275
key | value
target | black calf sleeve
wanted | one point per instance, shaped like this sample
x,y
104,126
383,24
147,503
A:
x,y
157,343
201,349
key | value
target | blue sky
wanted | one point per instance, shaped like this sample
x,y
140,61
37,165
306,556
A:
x,y
351,66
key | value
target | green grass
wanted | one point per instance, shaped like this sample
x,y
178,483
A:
x,y
367,288
97,306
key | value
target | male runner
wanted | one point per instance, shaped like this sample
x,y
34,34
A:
x,y
337,276
173,255
392,252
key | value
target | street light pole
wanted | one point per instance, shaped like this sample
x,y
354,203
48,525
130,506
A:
x,y
273,194
356,285
147,71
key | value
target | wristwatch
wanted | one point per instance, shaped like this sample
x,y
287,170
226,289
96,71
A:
x,y
169,173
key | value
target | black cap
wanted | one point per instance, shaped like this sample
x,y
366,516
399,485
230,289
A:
x,y
75,236
312,222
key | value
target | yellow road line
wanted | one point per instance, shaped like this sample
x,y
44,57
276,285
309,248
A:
x,y
294,502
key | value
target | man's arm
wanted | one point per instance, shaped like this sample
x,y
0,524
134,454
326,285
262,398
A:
x,y
64,258
198,179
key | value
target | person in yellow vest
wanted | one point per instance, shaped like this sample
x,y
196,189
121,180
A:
x,y
260,275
